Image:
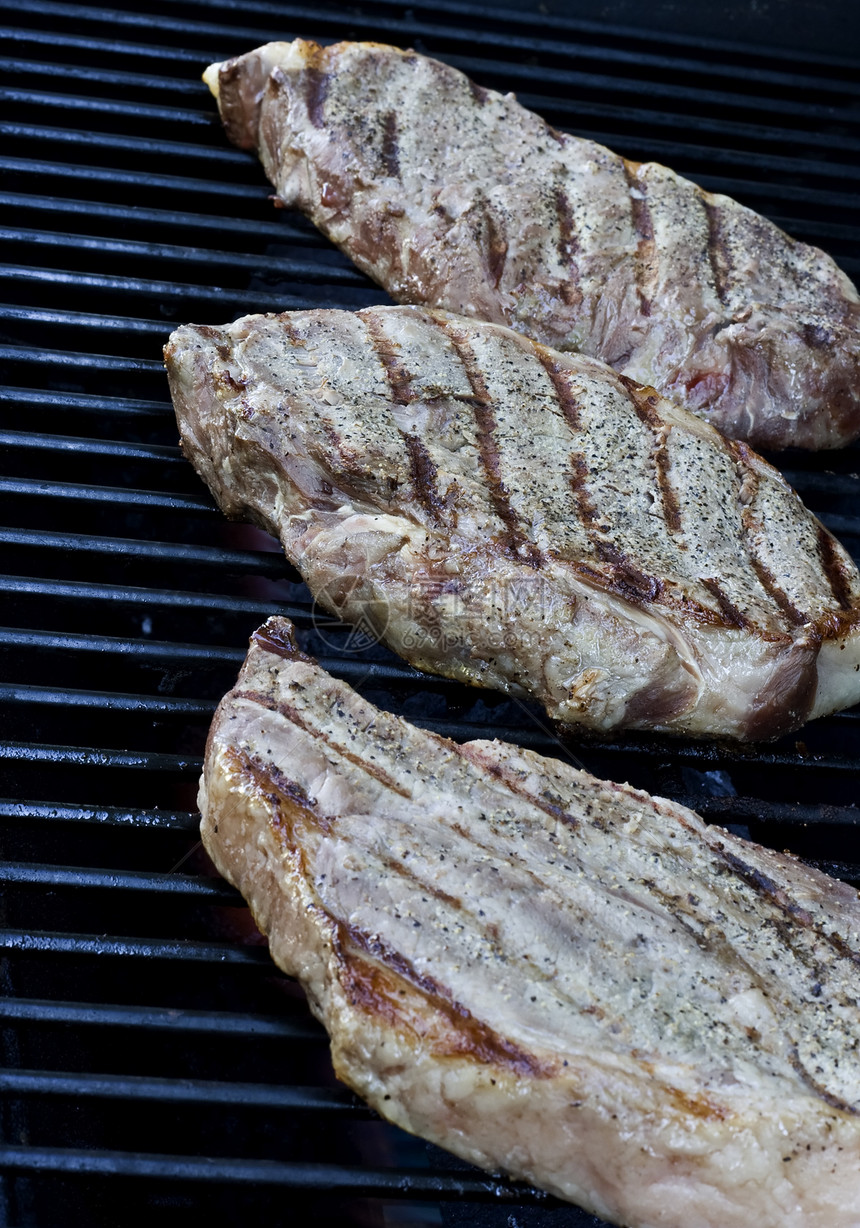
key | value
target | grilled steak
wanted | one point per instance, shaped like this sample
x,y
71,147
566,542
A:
x,y
522,519
454,196
546,973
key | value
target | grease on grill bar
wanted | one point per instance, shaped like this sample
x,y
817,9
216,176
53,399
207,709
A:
x,y
153,1056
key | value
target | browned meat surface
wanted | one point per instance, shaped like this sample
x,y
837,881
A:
x,y
523,519
553,975
457,197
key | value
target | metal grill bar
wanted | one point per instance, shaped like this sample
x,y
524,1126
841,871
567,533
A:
x,y
79,494
303,270
37,398
109,701
840,171
827,483
842,526
150,598
746,809
100,47
228,300
680,94
412,27
121,79
103,107
579,27
786,163
517,76
111,816
84,362
325,1178
724,128
367,671
87,143
182,1091
77,756
256,562
104,142
164,220
115,449
29,874
35,942
139,181
154,1019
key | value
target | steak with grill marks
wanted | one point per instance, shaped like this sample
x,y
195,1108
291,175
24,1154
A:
x,y
523,519
457,197
546,973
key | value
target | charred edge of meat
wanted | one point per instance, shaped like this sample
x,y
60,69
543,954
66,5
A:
x,y
290,713
373,987
578,478
671,506
626,581
641,218
478,92
645,401
239,99
517,543
278,636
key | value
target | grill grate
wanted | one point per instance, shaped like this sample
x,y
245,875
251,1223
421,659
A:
x,y
152,1057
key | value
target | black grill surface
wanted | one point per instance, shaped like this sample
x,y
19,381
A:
x,y
155,1064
